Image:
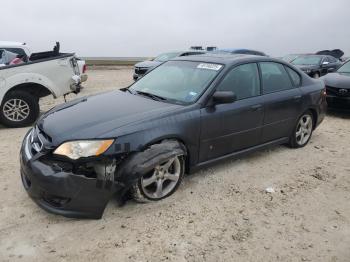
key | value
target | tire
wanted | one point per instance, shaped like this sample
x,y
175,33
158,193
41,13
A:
x,y
316,75
19,109
145,194
302,131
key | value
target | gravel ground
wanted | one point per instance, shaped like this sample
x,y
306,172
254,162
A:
x,y
221,213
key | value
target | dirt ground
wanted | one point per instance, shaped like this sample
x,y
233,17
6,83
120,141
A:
x,y
218,214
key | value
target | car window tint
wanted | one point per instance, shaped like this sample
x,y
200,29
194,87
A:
x,y
274,77
296,79
243,80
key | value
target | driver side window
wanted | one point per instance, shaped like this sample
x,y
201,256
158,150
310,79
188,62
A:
x,y
242,80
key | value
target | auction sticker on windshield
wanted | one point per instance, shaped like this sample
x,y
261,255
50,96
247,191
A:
x,y
215,67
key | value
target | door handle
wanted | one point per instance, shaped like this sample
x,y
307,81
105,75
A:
x,y
256,107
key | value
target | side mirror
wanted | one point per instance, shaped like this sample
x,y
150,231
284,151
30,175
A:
x,y
325,63
224,97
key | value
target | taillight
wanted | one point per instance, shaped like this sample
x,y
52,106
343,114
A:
x,y
84,68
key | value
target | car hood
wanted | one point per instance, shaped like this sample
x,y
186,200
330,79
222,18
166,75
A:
x,y
148,64
92,117
339,80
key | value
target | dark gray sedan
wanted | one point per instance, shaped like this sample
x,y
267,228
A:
x,y
184,115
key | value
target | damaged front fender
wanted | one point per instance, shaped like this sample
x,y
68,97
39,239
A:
x,y
140,163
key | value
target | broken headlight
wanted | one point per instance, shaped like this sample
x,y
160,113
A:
x,y
83,148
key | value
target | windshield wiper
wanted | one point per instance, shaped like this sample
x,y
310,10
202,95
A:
x,y
154,97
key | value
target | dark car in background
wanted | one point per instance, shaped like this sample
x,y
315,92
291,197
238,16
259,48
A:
x,y
317,65
242,51
142,68
338,87
183,115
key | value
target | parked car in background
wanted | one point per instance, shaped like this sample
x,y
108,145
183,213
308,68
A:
x,y
185,114
239,51
142,68
317,65
338,87
41,74
23,52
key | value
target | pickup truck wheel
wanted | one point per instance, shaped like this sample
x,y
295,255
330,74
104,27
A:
x,y
160,182
19,109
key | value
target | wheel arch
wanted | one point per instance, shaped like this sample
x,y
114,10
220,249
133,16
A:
x,y
32,88
314,117
178,139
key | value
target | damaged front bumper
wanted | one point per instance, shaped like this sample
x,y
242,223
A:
x,y
60,190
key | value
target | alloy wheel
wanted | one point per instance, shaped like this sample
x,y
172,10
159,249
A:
x,y
162,179
16,110
304,130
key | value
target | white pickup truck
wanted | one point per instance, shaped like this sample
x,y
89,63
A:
x,y
30,76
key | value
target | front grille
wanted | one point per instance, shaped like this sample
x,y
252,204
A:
x,y
338,91
140,70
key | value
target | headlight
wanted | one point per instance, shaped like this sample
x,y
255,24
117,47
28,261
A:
x,y
83,148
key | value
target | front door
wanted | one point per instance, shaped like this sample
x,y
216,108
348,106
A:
x,y
228,128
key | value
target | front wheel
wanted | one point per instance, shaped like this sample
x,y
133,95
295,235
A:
x,y
160,182
302,131
19,109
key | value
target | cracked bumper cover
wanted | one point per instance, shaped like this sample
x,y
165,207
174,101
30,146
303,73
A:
x,y
61,192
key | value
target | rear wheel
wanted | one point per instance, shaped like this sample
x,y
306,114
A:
x,y
302,131
19,109
160,182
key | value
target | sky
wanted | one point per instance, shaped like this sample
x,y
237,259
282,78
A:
x,y
116,28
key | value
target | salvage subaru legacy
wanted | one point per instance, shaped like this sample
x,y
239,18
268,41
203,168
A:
x,y
183,115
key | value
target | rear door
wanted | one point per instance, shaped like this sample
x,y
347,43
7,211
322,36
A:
x,y
227,128
283,100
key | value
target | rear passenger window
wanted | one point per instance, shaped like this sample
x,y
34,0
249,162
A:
x,y
243,80
19,52
296,79
274,77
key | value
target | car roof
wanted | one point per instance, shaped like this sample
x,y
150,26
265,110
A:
x,y
225,59
10,43
234,49
313,55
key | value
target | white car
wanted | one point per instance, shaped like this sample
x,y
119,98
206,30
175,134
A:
x,y
33,76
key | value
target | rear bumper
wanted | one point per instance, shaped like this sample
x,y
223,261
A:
x,y
61,192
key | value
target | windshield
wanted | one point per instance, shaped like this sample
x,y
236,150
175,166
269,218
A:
x,y
307,60
289,58
178,81
345,68
166,56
